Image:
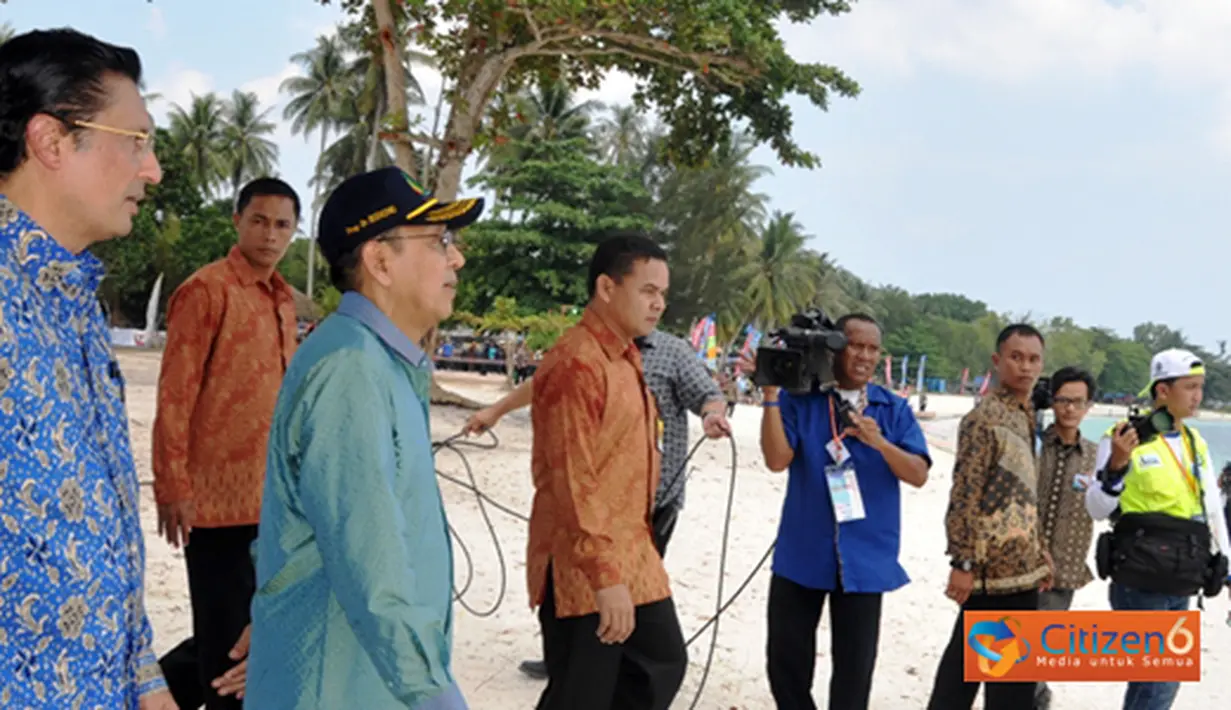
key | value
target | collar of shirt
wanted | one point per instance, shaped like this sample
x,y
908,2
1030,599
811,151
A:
x,y
356,305
248,274
612,344
1051,435
52,268
1011,400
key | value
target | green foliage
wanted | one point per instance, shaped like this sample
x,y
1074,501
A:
x,y
705,65
559,200
329,299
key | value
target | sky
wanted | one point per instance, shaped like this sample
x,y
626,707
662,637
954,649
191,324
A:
x,y
1047,157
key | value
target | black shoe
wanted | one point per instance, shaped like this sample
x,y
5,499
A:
x,y
535,669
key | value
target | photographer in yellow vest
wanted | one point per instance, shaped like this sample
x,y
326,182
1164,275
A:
x,y
1156,482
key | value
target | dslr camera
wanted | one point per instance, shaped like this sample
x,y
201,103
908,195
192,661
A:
x,y
801,360
1150,424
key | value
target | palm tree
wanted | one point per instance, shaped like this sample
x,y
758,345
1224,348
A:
x,y
247,150
6,32
622,136
516,119
710,217
198,133
319,101
779,281
362,39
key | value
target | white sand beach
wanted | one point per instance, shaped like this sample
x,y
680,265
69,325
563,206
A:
x,y
917,619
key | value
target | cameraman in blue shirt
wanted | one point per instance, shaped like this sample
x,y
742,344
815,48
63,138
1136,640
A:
x,y
841,521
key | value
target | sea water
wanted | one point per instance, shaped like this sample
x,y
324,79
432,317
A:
x,y
1217,434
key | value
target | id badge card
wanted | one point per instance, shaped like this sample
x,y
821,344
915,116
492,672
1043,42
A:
x,y
844,488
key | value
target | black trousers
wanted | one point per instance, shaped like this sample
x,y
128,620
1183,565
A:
x,y
643,673
221,583
950,691
794,613
663,522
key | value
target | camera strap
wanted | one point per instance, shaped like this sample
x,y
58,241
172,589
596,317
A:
x,y
833,420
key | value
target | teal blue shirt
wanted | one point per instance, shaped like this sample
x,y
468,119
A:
x,y
354,565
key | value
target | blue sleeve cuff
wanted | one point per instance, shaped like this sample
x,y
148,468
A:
x,y
450,699
149,674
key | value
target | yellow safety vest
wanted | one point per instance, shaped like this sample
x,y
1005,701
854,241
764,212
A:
x,y
1160,482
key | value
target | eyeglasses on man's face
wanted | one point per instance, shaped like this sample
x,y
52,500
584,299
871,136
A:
x,y
143,141
444,240
1069,402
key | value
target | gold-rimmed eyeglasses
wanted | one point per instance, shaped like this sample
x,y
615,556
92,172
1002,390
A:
x,y
444,240
144,140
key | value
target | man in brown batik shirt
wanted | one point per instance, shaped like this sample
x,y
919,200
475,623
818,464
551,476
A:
x,y
1065,527
611,637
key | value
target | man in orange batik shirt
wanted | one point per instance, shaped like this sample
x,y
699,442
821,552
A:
x,y
611,637
231,332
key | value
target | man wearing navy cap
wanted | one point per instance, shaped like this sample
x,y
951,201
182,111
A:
x,y
354,566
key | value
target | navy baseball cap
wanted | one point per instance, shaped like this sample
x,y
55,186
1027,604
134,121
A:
x,y
369,204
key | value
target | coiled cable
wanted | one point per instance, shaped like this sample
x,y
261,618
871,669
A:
x,y
457,442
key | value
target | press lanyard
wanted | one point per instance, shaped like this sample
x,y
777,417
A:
x,y
1185,470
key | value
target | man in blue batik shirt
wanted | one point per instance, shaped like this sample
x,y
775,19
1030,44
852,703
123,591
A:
x,y
75,159
841,521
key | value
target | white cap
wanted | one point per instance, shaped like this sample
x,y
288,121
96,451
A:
x,y
1173,363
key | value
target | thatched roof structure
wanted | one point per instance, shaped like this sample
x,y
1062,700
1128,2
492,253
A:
x,y
305,308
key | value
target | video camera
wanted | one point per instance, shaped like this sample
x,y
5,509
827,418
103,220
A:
x,y
802,359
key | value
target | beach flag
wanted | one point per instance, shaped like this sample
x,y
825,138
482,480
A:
x,y
698,331
889,371
711,342
923,360
987,380
904,379
752,341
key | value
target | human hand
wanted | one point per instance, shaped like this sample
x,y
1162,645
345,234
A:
x,y
716,425
1122,444
175,522
160,700
746,363
481,421
867,430
617,617
960,585
232,682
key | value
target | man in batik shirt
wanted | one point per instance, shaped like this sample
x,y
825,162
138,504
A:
x,y
73,628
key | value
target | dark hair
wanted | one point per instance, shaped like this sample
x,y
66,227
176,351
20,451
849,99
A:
x,y
59,73
1025,330
619,253
1068,374
840,324
1154,385
266,187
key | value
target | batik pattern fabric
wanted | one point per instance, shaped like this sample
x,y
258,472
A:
x,y
594,461
73,628
1065,527
230,337
993,512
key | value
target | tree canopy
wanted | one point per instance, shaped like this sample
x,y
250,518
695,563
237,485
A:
x,y
704,66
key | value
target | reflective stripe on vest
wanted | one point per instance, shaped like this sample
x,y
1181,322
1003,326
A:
x,y
1155,483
